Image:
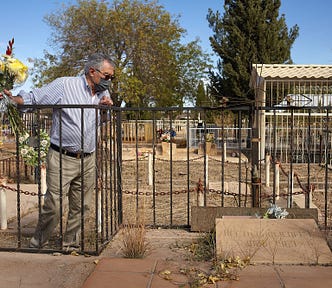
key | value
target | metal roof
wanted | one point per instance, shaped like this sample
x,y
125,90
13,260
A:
x,y
288,71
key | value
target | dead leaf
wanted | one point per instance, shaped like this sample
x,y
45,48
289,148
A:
x,y
165,274
213,279
74,253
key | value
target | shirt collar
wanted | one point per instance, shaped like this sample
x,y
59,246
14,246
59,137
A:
x,y
86,83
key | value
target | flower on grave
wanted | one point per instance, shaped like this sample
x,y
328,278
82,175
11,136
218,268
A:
x,y
12,73
29,148
168,135
275,212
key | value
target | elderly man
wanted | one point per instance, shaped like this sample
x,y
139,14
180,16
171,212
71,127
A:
x,y
91,88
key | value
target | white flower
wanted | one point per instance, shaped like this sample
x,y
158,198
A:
x,y
24,152
44,143
276,212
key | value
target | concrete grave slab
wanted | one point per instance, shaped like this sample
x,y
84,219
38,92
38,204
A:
x,y
273,241
203,218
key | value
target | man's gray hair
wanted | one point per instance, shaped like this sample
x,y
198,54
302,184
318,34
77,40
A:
x,y
96,61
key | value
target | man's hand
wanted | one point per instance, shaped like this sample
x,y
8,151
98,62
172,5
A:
x,y
104,112
106,101
17,99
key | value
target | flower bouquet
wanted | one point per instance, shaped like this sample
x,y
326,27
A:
x,y
168,136
28,150
273,212
12,73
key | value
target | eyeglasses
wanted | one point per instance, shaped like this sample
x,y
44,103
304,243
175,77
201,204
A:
x,y
106,75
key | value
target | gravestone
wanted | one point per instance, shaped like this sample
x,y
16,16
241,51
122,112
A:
x,y
166,148
273,241
203,218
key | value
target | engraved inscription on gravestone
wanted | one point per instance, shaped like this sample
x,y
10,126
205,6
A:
x,y
280,241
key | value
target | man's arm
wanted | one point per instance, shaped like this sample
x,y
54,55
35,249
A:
x,y
16,99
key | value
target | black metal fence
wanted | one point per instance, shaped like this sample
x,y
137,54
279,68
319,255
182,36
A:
x,y
23,193
212,160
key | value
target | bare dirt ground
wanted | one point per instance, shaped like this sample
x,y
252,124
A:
x,y
233,171
57,270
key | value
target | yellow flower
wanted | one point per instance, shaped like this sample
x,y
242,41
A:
x,y
17,68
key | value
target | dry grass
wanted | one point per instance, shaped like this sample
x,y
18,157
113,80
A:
x,y
134,243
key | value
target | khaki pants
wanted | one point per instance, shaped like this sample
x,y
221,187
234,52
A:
x,y
71,179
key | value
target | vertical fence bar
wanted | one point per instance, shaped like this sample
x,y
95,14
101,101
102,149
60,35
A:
x,y
327,161
223,156
154,127
274,151
136,163
105,187
307,195
291,152
113,211
171,170
239,135
119,166
83,183
98,229
204,156
188,168
18,195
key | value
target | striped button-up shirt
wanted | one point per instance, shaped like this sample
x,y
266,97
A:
x,y
69,90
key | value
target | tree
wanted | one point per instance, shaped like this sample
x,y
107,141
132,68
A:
x,y
249,32
152,67
203,99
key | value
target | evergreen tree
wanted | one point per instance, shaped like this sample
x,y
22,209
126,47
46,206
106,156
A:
x,y
250,31
202,98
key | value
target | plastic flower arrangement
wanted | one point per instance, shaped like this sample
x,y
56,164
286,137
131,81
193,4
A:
x,y
168,136
275,212
12,73
29,151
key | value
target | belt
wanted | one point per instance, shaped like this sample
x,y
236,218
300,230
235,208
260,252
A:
x,y
68,153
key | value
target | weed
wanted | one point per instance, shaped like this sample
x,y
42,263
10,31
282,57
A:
x,y
205,247
134,243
